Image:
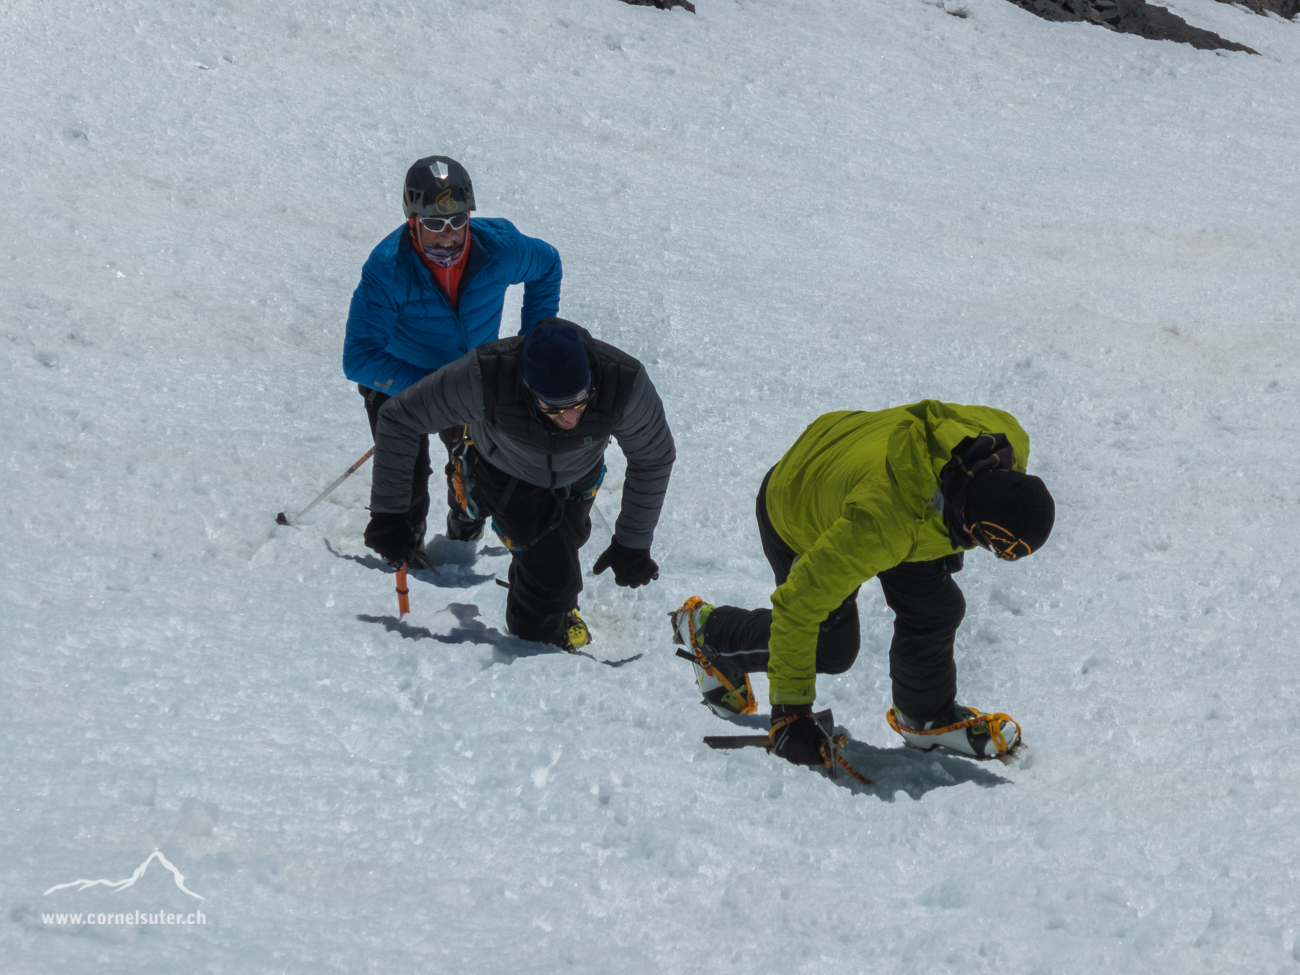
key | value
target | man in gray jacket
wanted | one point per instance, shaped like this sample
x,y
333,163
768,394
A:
x,y
538,412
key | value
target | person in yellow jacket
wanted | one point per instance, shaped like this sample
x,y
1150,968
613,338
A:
x,y
899,495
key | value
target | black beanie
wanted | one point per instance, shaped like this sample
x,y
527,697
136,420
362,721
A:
x,y
1015,511
555,362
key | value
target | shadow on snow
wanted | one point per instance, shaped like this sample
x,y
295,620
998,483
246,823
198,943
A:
x,y
893,769
470,629
458,579
911,771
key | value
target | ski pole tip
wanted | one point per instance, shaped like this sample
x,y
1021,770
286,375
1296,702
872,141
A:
x,y
280,519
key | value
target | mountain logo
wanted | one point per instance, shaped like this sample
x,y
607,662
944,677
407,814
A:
x,y
124,884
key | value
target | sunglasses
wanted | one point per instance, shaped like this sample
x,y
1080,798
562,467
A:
x,y
999,541
436,225
577,406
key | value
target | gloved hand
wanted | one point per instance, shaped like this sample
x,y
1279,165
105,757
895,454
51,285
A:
x,y
391,536
795,736
632,567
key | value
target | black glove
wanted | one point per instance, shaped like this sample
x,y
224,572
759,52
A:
x,y
632,567
391,536
796,737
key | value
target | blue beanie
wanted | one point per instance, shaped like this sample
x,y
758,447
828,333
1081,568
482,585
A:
x,y
555,362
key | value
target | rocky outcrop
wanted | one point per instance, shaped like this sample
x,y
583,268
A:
x,y
1136,17
663,4
1123,16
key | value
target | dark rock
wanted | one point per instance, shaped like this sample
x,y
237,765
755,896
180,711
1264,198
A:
x,y
662,4
1136,17
1158,24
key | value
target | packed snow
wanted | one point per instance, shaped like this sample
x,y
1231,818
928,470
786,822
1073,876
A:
x,y
783,209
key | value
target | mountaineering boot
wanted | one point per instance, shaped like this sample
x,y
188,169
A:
x,y
961,729
462,528
575,634
725,687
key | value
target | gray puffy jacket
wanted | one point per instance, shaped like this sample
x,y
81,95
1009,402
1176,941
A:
x,y
485,390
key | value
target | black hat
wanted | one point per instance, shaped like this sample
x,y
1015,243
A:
x,y
1012,512
437,186
555,362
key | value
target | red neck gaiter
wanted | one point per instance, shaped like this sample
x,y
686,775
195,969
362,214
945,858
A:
x,y
448,277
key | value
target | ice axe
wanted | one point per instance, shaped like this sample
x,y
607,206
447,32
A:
x,y
834,743
282,519
403,594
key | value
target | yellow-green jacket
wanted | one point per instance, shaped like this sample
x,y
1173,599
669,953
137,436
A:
x,y
853,497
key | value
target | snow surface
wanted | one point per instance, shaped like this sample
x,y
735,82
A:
x,y
783,208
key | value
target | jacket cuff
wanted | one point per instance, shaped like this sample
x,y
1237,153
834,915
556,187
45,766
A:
x,y
789,692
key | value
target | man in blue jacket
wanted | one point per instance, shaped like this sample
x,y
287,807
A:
x,y
431,292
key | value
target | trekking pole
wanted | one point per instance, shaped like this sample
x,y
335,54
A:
x,y
403,594
280,519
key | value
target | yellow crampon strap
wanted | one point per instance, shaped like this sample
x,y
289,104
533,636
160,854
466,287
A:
x,y
994,722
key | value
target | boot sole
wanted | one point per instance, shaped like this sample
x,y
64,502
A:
x,y
1014,752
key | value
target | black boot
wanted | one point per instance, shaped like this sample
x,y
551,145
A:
x,y
462,528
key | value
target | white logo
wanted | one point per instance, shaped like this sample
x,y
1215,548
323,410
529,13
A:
x,y
439,170
124,884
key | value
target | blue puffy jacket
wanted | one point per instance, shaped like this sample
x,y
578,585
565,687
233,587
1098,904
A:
x,y
401,326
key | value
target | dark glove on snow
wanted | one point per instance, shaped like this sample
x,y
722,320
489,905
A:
x,y
795,736
632,567
391,536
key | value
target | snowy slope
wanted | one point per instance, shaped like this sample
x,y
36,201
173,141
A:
x,y
783,209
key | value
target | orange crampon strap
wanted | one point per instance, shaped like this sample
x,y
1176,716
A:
x,y
994,722
785,722
839,741
692,604
836,742
788,720
732,689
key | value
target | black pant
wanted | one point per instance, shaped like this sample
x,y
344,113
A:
x,y
419,510
544,530
928,607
